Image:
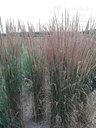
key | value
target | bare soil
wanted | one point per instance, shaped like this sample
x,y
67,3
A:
x,y
27,111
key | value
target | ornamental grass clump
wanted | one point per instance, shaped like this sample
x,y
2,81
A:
x,y
11,74
70,61
34,68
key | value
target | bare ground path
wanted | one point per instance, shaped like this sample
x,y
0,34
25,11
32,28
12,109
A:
x,y
92,109
27,112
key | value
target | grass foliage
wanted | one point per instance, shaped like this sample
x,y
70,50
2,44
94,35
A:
x,y
61,58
